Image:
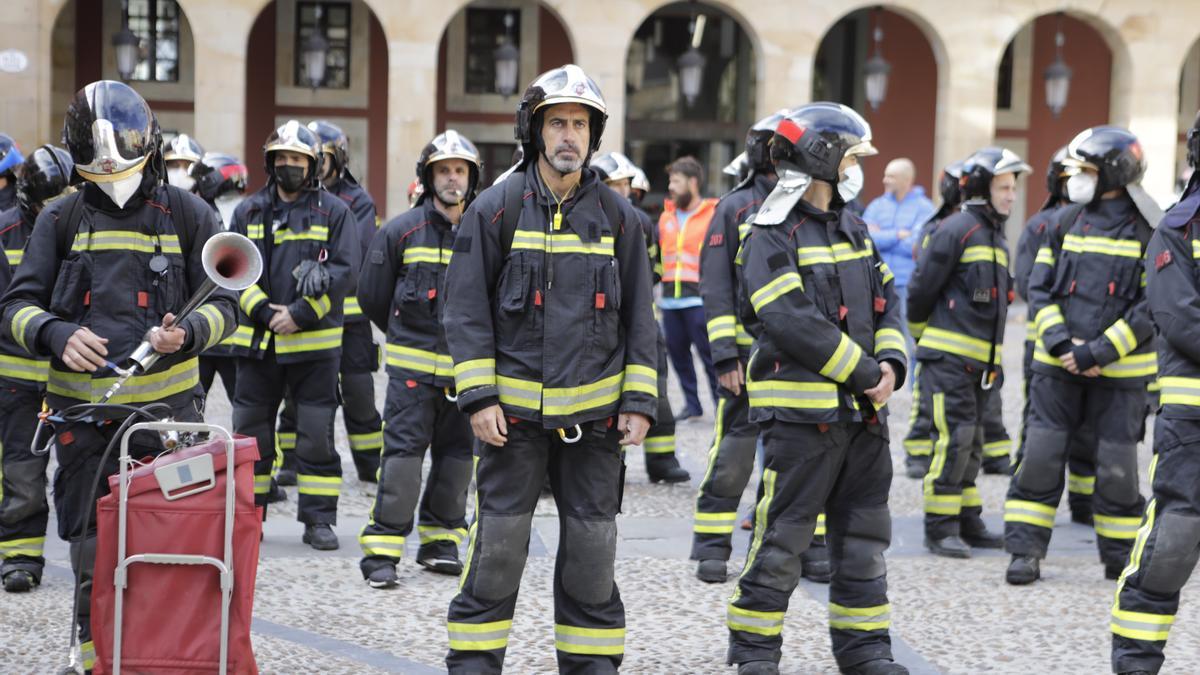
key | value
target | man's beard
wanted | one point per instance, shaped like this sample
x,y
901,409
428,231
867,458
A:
x,y
683,201
450,196
565,165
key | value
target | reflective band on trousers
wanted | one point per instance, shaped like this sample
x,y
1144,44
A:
x,y
751,621
309,341
138,389
1141,625
841,617
657,445
1117,527
14,255
419,360
28,370
784,394
996,448
320,486
1081,485
30,547
372,440
478,637
714,523
597,641
430,533
382,544
1030,513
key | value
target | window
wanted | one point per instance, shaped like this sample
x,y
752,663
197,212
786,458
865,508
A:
x,y
485,32
1004,79
497,158
332,20
156,23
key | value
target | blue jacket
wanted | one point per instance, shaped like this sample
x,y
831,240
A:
x,y
891,217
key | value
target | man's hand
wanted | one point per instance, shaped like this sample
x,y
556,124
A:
x,y
85,351
169,338
733,380
880,393
282,323
489,426
1068,359
634,426
1094,371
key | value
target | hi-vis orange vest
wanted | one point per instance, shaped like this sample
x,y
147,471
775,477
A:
x,y
681,248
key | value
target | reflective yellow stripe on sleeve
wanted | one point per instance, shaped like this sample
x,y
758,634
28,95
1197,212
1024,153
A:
x,y
251,299
474,373
320,306
723,327
640,378
1122,338
1047,317
845,359
890,338
774,289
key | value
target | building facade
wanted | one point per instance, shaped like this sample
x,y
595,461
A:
x,y
963,75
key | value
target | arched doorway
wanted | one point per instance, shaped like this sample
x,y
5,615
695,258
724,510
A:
x,y
353,95
661,125
164,75
1024,122
904,123
467,100
1189,104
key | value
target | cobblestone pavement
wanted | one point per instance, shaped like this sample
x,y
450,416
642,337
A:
x,y
313,613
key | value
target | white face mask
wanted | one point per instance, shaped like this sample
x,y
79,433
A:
x,y
1081,188
119,191
851,183
226,204
180,178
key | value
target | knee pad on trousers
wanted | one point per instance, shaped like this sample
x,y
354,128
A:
x,y
399,485
963,438
590,551
24,491
1176,550
500,550
868,534
735,461
1116,472
1045,454
313,425
777,563
448,497
358,394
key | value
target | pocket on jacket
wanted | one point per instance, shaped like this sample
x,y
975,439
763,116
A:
x,y
72,285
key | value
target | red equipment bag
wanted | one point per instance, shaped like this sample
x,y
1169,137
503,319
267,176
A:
x,y
172,613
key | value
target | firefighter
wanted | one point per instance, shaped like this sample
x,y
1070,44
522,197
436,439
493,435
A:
x,y
181,154
103,268
360,353
961,293
1093,356
662,466
557,373
1081,462
1165,550
10,160
401,289
828,353
45,176
290,326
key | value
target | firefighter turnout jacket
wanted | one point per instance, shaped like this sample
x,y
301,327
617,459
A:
x,y
823,314
316,227
559,329
366,223
117,272
17,368
1173,286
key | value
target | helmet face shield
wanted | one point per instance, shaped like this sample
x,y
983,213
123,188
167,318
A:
x,y
110,131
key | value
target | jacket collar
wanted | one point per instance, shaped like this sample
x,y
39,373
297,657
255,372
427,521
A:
x,y
582,212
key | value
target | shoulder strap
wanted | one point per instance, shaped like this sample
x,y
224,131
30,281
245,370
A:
x,y
514,194
612,211
1064,221
186,225
68,222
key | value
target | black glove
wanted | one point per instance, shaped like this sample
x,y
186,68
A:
x,y
312,279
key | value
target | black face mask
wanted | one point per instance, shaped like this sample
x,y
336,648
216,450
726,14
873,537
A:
x,y
290,178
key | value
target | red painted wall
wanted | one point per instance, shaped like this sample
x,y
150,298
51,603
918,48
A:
x,y
904,124
260,93
1088,55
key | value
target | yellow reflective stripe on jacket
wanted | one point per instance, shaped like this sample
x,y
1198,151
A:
x,y
1120,248
774,289
845,359
597,641
309,341
251,299
743,338
351,307
320,306
20,323
427,254
973,254
1047,317
1122,338
841,617
1030,331
888,277
942,340
520,393
751,621
1179,390
216,324
138,389
478,637
722,328
20,368
786,394
916,328
829,255
561,243
474,373
890,338
1134,365
254,231
126,240
419,360
244,337
313,233
1045,256
1141,625
14,255
640,378
561,401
